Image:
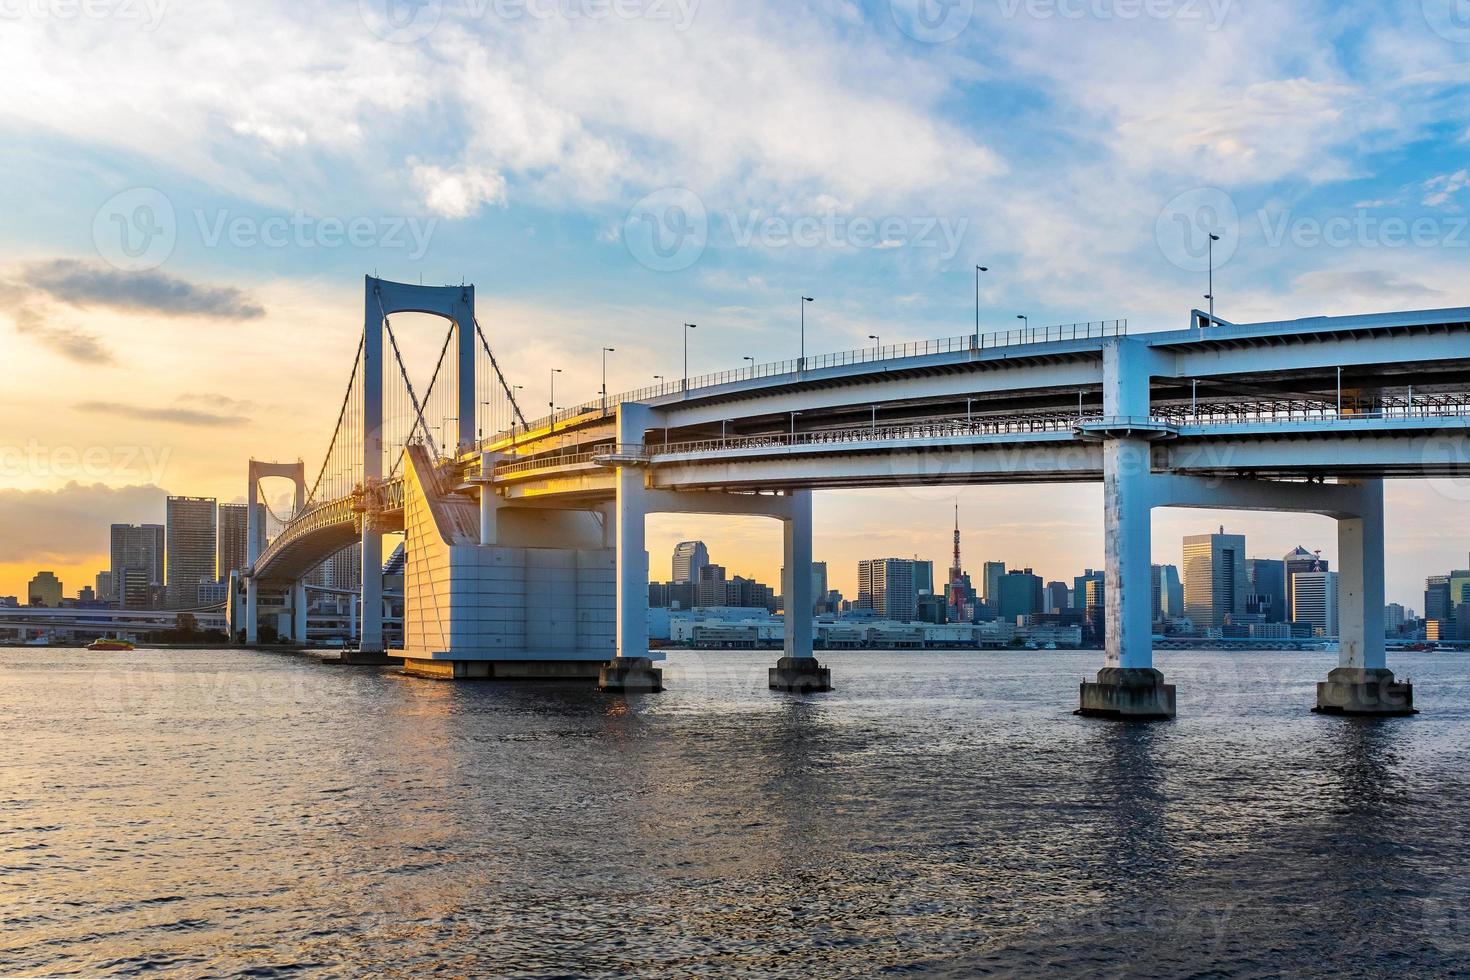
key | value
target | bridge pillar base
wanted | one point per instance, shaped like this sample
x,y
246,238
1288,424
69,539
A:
x,y
630,675
800,675
368,658
1128,694
502,670
1364,692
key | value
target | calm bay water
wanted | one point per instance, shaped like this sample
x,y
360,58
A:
x,y
199,813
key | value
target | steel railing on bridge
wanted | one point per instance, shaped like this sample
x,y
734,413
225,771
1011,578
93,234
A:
x,y
1093,330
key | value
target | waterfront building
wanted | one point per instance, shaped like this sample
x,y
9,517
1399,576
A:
x,y
191,548
45,590
1214,578
1168,593
234,521
991,574
891,586
1266,588
1057,598
690,558
1020,595
104,587
1299,559
1314,598
137,563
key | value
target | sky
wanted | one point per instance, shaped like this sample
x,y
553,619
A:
x,y
193,190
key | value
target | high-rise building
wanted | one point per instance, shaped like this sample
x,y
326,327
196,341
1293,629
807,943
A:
x,y
689,558
234,523
1458,585
819,586
1394,618
137,563
1020,595
1168,593
1057,598
1214,578
191,548
1299,559
888,586
45,590
1437,605
104,587
1315,602
342,570
990,575
1266,588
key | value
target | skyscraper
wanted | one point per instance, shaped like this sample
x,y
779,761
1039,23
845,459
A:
x,y
233,526
1168,593
1266,580
1437,605
1020,595
1299,559
689,558
104,587
1315,602
990,575
139,550
887,586
1057,598
191,548
1214,578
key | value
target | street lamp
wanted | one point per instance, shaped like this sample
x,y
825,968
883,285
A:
x,y
751,361
515,388
801,363
978,269
687,327
1024,319
605,351
444,430
1211,294
551,401
793,427
877,343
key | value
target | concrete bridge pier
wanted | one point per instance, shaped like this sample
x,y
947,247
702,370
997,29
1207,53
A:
x,y
798,669
298,612
631,669
1362,684
1129,688
252,612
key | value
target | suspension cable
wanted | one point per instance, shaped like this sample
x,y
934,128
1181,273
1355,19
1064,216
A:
x,y
509,392
341,414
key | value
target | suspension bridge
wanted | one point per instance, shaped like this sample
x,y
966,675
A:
x,y
524,538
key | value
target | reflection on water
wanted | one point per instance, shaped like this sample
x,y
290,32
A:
x,y
215,812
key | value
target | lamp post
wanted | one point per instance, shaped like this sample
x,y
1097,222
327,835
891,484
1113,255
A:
x,y
751,361
1211,294
1024,319
444,427
687,327
801,362
793,427
877,344
605,351
515,388
978,269
551,400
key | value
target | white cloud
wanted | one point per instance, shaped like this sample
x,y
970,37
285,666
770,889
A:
x,y
458,193
1441,190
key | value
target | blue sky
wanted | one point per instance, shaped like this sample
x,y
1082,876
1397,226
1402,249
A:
x,y
869,154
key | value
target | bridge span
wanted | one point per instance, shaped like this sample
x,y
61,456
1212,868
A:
x,y
1305,415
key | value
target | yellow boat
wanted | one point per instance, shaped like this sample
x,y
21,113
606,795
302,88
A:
x,y
105,644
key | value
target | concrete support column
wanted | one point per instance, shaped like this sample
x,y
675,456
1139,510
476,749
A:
x,y
796,590
372,590
1360,583
252,612
798,670
632,669
1128,546
298,613
1362,684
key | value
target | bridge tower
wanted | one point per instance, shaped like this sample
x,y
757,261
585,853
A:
x,y
382,299
255,543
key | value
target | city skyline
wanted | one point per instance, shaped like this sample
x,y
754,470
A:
x,y
134,378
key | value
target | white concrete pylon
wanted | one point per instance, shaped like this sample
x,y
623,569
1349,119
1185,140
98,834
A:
x,y
797,587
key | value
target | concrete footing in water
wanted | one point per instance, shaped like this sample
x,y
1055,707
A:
x,y
503,670
1365,692
357,658
1127,694
630,675
802,675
